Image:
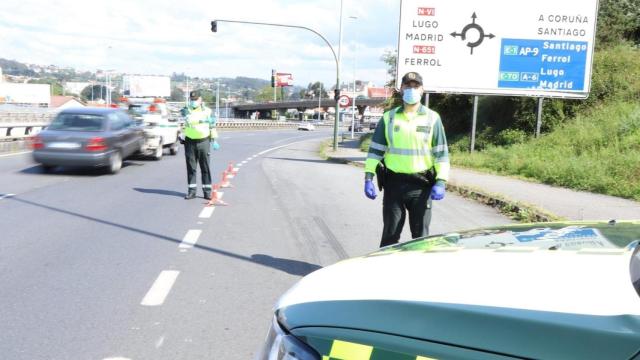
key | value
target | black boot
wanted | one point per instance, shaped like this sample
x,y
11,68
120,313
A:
x,y
190,195
207,195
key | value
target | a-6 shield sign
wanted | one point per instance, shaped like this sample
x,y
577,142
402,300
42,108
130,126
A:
x,y
531,48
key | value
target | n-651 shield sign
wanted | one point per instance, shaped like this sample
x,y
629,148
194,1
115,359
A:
x,y
344,101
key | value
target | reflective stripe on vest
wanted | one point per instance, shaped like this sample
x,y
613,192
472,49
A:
x,y
197,124
409,141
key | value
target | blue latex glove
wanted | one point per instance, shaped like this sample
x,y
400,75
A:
x,y
369,189
215,145
437,191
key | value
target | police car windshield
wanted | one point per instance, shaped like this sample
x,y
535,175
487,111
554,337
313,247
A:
x,y
555,236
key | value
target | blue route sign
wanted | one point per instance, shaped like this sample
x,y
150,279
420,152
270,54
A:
x,y
543,64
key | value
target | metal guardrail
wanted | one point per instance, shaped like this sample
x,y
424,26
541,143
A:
x,y
20,130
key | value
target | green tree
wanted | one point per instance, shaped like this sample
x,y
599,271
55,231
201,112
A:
x,y
618,21
313,89
390,58
177,94
93,92
264,94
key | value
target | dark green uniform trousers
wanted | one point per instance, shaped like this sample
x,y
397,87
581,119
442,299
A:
x,y
402,195
197,152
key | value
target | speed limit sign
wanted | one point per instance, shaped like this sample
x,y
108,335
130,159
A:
x,y
344,101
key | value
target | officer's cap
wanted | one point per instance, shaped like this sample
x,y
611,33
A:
x,y
194,95
412,76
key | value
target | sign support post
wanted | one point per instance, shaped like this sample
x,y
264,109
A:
x,y
474,122
539,123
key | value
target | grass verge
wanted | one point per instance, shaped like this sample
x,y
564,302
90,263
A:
x,y
597,152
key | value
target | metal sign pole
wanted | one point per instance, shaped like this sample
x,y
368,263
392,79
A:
x,y
539,123
475,120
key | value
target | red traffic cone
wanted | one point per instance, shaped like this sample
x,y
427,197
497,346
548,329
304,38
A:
x,y
231,170
216,197
225,180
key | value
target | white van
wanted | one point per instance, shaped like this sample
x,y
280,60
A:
x,y
161,131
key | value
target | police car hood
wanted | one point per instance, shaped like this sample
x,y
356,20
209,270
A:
x,y
573,269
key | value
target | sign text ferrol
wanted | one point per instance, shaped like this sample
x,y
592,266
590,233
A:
x,y
532,48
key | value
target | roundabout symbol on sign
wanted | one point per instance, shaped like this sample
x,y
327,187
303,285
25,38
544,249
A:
x,y
478,28
344,101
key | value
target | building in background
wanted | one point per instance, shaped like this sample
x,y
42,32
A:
x,y
33,95
65,102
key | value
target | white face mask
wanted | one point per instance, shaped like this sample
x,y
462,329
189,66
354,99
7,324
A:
x,y
411,96
194,104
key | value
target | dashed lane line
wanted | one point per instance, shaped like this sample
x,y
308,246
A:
x,y
206,212
190,239
160,288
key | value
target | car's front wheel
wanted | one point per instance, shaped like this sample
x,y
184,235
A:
x,y
157,155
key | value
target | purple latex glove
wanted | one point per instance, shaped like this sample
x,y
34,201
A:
x,y
369,189
437,191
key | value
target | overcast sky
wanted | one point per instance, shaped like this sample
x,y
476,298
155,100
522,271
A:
x,y
160,37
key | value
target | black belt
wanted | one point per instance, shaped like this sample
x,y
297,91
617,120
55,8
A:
x,y
427,177
195,140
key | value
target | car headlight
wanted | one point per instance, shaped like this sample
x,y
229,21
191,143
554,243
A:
x,y
282,346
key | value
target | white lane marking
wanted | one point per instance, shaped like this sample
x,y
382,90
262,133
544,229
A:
x,y
244,162
220,194
240,165
235,169
190,239
206,212
230,176
256,155
117,358
160,288
285,145
6,196
160,342
15,154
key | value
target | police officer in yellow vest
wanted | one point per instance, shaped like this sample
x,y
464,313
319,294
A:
x,y
411,143
200,134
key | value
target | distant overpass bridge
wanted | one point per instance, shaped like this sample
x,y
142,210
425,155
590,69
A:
x,y
266,109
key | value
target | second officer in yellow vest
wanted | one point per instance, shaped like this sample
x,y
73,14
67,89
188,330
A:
x,y
411,143
199,133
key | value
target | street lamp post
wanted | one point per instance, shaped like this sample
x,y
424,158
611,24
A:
x,y
214,28
353,102
217,99
226,106
319,101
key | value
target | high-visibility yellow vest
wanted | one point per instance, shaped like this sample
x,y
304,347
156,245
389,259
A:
x,y
198,123
409,146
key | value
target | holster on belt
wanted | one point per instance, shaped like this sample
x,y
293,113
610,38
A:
x,y
426,178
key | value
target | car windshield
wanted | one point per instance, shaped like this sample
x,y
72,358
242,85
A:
x,y
77,122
